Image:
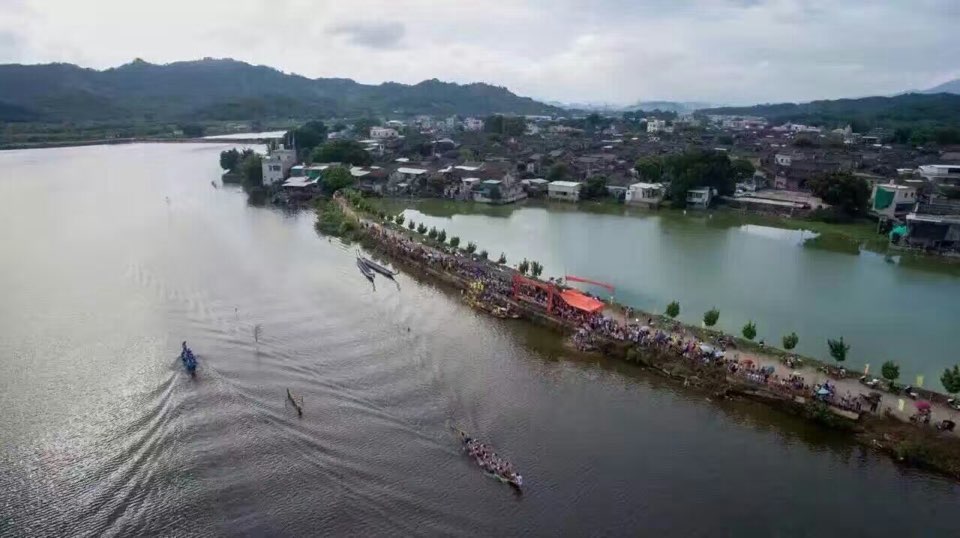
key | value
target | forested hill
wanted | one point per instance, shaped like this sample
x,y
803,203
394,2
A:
x,y
913,109
213,89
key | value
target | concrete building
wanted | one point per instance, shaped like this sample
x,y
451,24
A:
x,y
699,198
383,133
940,174
934,226
892,201
277,164
655,126
472,124
647,194
568,191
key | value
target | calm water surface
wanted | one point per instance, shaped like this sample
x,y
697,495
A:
x,y
113,255
784,280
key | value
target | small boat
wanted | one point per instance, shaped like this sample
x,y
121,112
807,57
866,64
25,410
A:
x,y
377,267
364,269
188,359
508,477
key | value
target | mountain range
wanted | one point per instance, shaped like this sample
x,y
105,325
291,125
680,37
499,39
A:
x,y
224,89
952,86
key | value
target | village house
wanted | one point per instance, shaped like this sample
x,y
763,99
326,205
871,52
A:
x,y
383,133
472,124
645,194
941,174
892,201
934,226
568,191
699,198
277,164
499,184
405,179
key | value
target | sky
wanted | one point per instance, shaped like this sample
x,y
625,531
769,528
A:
x,y
572,51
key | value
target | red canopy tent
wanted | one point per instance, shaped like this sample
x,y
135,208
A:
x,y
581,302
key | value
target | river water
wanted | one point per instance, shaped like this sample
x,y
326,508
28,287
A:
x,y
885,307
115,254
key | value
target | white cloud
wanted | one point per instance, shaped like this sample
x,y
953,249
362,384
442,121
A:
x,y
730,51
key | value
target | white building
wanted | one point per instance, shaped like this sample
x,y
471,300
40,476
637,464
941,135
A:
x,y
381,133
655,126
648,194
276,165
564,190
940,174
893,201
699,198
472,124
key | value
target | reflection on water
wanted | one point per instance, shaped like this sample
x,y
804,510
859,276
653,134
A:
x,y
819,285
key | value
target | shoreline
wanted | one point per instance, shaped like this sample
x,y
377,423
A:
x,y
118,141
888,431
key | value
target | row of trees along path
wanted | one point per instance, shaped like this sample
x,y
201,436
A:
x,y
848,386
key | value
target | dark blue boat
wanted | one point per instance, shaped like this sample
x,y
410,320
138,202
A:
x,y
188,359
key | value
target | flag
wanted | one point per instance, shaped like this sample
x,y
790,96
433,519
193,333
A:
x,y
866,369
920,380
900,403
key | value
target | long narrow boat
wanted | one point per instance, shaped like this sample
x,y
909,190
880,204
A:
x,y
514,479
364,269
377,267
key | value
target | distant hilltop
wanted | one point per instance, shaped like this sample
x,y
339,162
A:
x,y
225,89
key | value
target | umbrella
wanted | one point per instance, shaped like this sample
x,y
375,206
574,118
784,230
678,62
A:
x,y
923,405
706,348
823,392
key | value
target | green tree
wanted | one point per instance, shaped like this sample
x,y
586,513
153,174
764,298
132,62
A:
x,y
846,192
251,170
483,254
790,341
523,267
361,126
399,219
411,225
743,169
471,247
335,179
838,349
650,169
432,234
890,371
710,317
307,136
557,172
454,241
342,151
673,309
595,188
536,269
750,330
337,127
505,125
502,259
229,159
951,380
421,229
698,169
442,236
